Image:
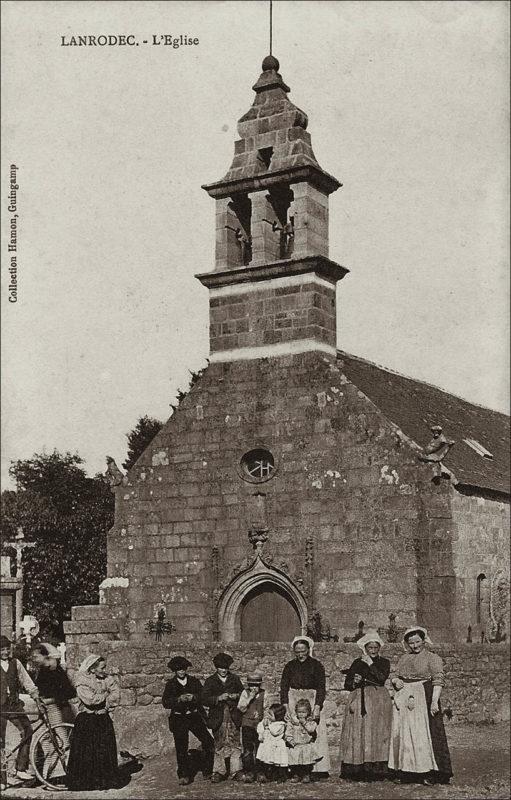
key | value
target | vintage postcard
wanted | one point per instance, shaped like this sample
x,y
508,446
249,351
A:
x,y
255,379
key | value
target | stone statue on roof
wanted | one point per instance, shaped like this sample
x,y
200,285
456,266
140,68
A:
x,y
113,474
437,449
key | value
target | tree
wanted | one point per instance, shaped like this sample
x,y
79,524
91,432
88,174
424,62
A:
x,y
147,427
194,377
140,437
68,515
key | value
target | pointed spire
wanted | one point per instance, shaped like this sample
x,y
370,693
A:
x,y
274,143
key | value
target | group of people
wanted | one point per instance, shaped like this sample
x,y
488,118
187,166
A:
x,y
397,734
250,739
400,737
86,701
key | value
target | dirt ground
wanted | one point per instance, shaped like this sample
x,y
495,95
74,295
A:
x,y
481,765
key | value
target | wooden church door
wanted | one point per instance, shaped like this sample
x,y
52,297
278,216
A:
x,y
268,615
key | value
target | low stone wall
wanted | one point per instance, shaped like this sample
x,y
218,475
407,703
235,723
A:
x,y
477,681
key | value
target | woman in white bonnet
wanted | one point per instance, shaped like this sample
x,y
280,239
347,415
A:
x,y
367,720
93,762
418,748
304,677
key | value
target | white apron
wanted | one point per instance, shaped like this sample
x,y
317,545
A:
x,y
411,748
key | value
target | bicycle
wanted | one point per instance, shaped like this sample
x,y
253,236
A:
x,y
49,748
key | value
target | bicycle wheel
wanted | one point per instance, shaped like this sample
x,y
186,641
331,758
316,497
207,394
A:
x,y
49,754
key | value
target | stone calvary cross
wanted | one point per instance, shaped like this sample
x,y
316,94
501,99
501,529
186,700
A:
x,y
19,546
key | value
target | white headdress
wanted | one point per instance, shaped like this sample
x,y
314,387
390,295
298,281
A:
x,y
370,636
89,662
305,639
415,629
51,650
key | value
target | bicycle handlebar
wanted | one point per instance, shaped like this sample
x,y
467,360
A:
x,y
22,714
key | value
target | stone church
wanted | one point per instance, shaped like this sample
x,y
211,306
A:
x,y
295,479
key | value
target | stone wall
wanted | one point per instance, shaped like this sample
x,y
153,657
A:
x,y
480,547
477,682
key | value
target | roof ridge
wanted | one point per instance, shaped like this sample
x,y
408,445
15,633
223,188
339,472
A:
x,y
342,353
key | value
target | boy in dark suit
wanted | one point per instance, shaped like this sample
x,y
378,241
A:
x,y
182,695
221,694
252,704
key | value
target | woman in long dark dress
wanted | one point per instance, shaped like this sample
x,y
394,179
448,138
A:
x,y
366,729
93,760
418,748
304,678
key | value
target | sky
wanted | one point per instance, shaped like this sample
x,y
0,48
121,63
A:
x,y
407,107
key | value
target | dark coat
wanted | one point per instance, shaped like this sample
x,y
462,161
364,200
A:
x,y
54,683
213,687
173,691
308,674
9,685
375,674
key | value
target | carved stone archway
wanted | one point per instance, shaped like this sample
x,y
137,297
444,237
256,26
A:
x,y
231,599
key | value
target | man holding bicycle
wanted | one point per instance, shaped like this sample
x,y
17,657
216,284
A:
x,y
14,679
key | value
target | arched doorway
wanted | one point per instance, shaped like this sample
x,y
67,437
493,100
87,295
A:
x,y
268,614
252,597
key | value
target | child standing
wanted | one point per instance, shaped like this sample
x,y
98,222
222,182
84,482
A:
x,y
273,751
300,737
252,706
221,694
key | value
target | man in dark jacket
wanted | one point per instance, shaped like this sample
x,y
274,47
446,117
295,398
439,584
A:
x,y
221,694
14,680
182,695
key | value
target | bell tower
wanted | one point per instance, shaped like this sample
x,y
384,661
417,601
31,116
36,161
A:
x,y
272,291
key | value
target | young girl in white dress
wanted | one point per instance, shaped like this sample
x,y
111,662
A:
x,y
272,751
301,732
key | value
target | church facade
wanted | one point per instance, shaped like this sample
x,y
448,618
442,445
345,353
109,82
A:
x,y
294,481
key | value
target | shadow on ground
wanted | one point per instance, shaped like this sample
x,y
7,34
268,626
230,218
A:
x,y
480,756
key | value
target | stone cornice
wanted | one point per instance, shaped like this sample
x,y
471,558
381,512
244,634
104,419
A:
x,y
308,172
321,266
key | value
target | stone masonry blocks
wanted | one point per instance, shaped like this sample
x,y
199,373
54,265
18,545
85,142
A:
x,y
331,448
477,681
259,317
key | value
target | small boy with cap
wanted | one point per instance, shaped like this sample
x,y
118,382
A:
x,y
182,695
14,679
252,706
221,694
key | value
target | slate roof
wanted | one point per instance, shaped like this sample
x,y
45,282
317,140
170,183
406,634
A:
x,y
413,406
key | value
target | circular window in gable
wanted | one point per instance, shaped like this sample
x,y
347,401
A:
x,y
257,465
